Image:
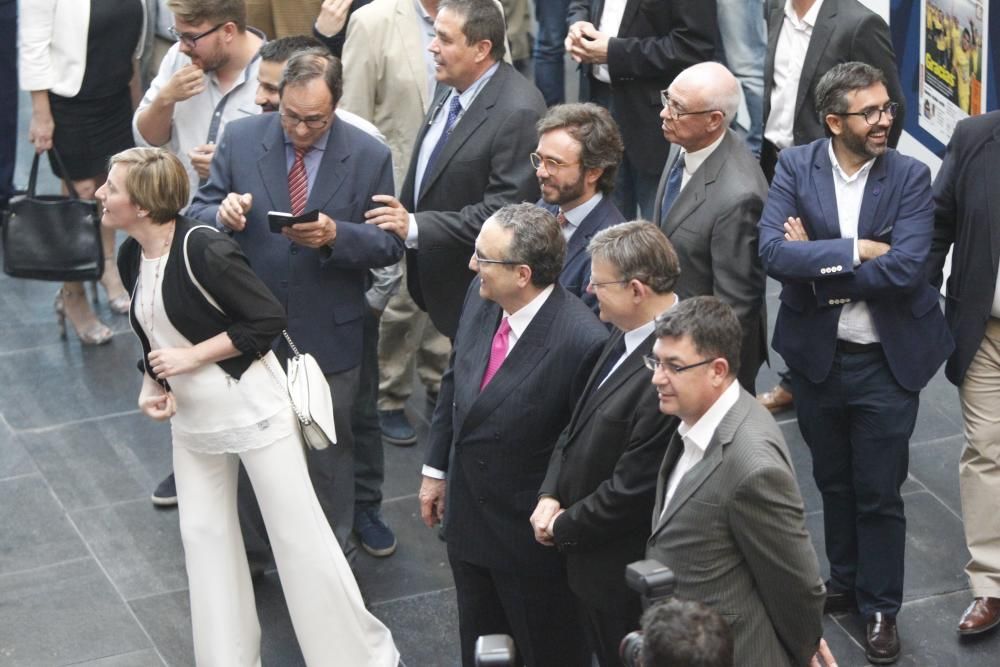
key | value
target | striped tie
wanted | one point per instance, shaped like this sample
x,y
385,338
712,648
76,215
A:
x,y
298,182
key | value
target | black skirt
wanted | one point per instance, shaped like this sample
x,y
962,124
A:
x,y
89,131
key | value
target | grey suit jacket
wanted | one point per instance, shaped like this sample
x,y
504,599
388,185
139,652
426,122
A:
x,y
734,535
713,227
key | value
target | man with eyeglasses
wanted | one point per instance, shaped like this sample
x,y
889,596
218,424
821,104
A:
x,y
729,519
847,230
708,202
206,79
576,160
301,159
523,351
595,502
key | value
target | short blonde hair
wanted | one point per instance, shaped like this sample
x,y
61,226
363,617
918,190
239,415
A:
x,y
156,181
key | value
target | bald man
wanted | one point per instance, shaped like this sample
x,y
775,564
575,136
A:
x,y
710,197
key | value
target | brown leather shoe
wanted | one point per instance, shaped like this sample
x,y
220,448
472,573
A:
x,y
982,615
777,399
882,639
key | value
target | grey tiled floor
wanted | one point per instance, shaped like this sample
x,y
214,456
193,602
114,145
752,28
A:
x,y
92,574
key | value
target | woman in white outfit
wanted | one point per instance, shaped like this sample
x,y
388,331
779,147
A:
x,y
204,320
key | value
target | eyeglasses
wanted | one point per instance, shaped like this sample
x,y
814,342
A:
x,y
654,364
312,123
608,282
483,260
673,113
191,41
551,165
873,116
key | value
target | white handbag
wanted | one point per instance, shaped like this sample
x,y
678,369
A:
x,y
308,391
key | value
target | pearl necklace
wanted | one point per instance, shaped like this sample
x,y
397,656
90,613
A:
x,y
149,310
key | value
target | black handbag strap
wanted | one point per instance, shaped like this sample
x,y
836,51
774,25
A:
x,y
33,177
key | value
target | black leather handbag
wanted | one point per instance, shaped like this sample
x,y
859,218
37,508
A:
x,y
52,237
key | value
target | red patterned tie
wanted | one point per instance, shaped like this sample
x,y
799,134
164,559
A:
x,y
561,218
498,352
298,182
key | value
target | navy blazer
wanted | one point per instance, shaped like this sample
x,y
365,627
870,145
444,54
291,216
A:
x,y
818,276
495,444
575,275
323,291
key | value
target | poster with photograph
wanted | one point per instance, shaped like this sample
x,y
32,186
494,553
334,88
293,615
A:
x,y
953,63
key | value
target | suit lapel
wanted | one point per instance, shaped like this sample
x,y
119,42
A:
x,y
777,18
471,119
992,151
332,168
273,167
658,204
822,178
674,450
871,217
694,193
631,11
413,46
581,237
441,93
817,45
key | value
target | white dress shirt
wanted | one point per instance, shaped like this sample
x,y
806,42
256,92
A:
x,y
576,215
789,57
518,322
611,23
434,132
694,160
855,323
698,437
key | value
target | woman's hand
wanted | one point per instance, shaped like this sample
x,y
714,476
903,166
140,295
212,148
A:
x,y
170,361
42,126
155,402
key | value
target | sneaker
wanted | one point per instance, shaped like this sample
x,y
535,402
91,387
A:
x,y
166,493
375,536
396,428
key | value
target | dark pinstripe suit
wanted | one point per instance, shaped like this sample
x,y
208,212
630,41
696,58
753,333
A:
x,y
735,537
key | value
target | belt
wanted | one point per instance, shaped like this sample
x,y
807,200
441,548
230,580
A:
x,y
847,347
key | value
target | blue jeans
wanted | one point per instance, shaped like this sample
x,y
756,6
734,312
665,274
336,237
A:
x,y
550,68
744,43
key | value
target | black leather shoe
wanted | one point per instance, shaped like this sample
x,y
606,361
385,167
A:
x,y
839,601
882,639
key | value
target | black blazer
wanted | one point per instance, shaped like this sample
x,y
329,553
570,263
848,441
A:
x,y
252,317
967,214
483,167
845,30
575,274
495,444
603,473
656,41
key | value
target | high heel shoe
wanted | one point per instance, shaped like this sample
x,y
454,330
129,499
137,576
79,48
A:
x,y
119,304
95,333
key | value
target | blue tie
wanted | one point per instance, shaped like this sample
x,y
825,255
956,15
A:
x,y
454,109
673,186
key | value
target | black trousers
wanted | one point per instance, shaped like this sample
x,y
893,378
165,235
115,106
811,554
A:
x,y
857,424
538,612
8,97
605,628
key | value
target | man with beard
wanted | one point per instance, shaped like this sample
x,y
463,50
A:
x,y
847,230
208,78
579,148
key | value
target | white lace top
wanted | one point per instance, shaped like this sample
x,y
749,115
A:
x,y
215,413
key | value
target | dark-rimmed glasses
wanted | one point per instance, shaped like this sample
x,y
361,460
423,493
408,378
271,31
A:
x,y
312,123
873,116
673,113
654,364
191,41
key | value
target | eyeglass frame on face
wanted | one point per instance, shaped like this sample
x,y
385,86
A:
x,y
551,166
483,260
890,110
191,41
671,107
654,364
294,121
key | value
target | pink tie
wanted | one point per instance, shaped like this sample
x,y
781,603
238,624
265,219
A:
x,y
498,352
298,182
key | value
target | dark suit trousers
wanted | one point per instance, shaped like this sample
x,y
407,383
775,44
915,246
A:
x,y
857,424
331,471
605,629
538,612
369,457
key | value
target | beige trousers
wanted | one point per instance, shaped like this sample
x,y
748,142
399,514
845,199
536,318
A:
x,y
979,468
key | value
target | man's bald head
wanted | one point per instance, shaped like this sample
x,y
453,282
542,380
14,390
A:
x,y
704,98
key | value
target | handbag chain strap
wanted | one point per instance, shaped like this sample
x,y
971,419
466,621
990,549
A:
x,y
303,419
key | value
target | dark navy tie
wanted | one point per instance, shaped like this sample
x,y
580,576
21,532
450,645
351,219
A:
x,y
454,108
673,186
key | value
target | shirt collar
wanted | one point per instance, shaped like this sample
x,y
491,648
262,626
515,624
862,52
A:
x,y
701,433
472,91
841,173
520,320
807,21
635,337
695,159
576,215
